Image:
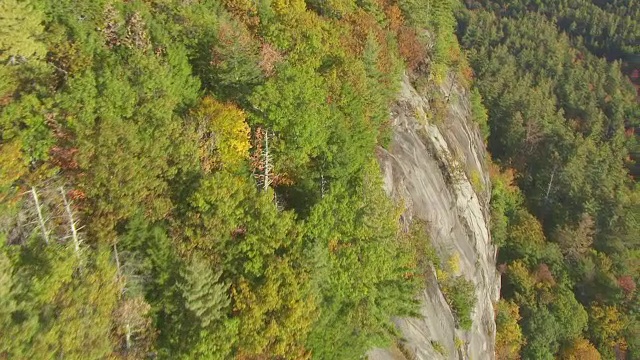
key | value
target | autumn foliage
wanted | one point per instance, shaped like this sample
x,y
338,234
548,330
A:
x,y
580,349
412,49
223,134
509,339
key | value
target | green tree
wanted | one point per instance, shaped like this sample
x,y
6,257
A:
x,y
546,331
207,305
461,296
292,106
9,339
22,28
204,295
62,308
361,272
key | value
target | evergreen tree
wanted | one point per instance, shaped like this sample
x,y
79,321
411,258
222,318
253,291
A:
x,y
204,295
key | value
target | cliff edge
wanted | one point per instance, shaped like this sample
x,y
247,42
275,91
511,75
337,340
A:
x,y
438,170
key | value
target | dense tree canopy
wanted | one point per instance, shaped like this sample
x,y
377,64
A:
x,y
197,179
562,113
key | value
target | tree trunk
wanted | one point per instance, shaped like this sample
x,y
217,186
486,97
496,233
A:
x,y
72,223
43,228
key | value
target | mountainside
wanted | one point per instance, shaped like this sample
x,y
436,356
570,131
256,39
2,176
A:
x,y
439,172
307,179
198,179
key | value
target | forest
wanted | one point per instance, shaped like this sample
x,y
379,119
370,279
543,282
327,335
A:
x,y
185,179
563,120
197,179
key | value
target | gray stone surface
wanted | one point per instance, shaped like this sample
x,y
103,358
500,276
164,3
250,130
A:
x,y
430,166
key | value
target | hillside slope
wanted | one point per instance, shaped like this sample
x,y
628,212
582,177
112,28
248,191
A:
x,y
440,174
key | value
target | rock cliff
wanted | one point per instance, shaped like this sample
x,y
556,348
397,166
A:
x,y
438,170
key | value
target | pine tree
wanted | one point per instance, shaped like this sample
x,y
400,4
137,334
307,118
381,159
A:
x,y
201,327
234,61
204,294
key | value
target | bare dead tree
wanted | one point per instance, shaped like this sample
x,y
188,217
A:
x,y
261,160
118,269
553,174
452,84
72,222
323,184
533,135
267,162
41,220
121,281
131,315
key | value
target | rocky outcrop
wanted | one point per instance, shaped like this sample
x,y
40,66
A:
x,y
439,172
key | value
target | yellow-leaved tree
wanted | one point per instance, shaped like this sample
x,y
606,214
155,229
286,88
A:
x,y
12,165
223,134
509,339
20,31
606,324
580,349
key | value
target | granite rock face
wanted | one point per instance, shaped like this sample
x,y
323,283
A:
x,y
439,172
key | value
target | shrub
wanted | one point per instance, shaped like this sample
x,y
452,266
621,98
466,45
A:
x,y
437,346
460,295
479,113
476,182
458,291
